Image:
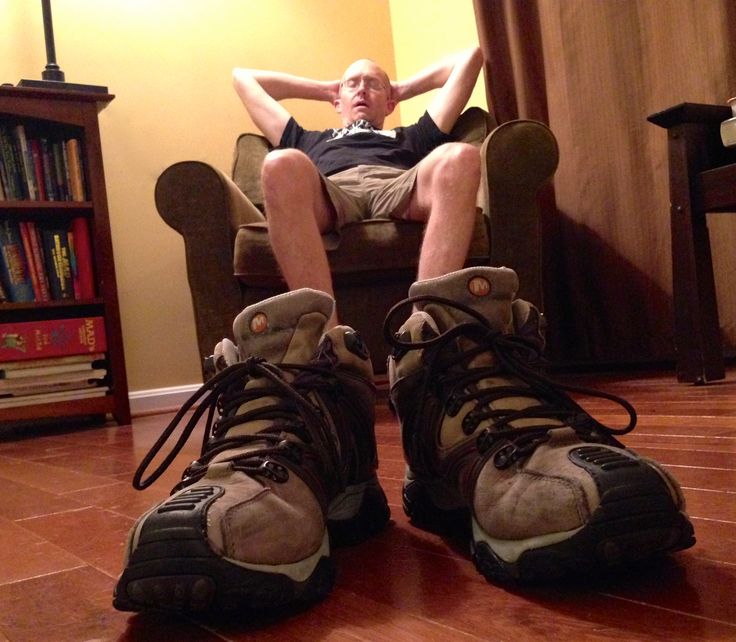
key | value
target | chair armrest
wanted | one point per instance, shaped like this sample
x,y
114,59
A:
x,y
206,207
518,158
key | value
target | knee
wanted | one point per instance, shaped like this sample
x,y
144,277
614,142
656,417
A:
x,y
459,161
285,171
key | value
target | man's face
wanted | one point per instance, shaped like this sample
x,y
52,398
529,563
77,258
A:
x,y
365,92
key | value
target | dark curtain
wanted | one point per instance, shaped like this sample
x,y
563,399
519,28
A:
x,y
593,71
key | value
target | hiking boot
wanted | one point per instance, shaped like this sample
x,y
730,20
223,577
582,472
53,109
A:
x,y
495,447
288,469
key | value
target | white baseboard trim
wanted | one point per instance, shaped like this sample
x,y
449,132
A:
x,y
149,402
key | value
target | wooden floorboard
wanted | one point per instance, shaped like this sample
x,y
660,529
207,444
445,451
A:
x,y
67,505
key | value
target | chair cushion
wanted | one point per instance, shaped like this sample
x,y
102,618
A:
x,y
370,249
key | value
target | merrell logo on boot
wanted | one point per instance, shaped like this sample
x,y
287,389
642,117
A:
x,y
478,286
259,323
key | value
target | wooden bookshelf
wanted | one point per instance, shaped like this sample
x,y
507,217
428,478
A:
x,y
72,113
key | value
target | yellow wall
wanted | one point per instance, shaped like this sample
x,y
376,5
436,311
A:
x,y
425,31
168,62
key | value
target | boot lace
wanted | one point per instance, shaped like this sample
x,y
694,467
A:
x,y
450,377
297,430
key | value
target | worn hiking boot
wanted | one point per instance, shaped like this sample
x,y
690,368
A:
x,y
493,445
288,469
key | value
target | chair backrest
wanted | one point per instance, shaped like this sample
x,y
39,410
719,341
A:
x,y
472,127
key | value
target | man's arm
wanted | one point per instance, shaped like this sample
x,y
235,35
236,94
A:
x,y
455,78
261,92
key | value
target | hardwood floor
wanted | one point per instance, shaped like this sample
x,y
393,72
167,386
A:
x,y
66,505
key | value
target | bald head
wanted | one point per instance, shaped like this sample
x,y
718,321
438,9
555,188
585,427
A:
x,y
365,93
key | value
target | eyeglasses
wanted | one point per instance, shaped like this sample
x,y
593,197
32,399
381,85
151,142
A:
x,y
371,84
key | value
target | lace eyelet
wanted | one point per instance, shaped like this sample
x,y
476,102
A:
x,y
470,423
291,450
484,442
193,469
274,471
505,457
453,405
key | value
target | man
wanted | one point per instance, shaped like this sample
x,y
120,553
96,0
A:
x,y
495,450
360,171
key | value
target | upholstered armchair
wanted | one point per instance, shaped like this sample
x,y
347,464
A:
x,y
230,264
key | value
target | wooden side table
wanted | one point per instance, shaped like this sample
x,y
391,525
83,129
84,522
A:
x,y
702,176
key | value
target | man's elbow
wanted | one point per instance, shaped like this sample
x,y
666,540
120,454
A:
x,y
242,81
475,55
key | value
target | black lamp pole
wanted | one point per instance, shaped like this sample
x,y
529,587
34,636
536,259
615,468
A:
x,y
52,71
53,76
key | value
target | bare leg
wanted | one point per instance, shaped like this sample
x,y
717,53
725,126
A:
x,y
445,196
298,214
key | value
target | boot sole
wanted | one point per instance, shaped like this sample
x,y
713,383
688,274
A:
x,y
623,531
173,568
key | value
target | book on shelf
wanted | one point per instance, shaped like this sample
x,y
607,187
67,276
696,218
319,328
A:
x,y
14,270
80,378
55,243
52,397
26,164
84,275
42,388
47,170
13,171
40,167
46,262
33,367
38,175
55,365
59,175
76,169
51,337
37,259
31,246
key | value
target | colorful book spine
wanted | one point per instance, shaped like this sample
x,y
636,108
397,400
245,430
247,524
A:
x,y
57,152
24,151
76,171
58,262
51,338
32,270
37,259
83,253
37,157
14,264
36,167
47,161
16,189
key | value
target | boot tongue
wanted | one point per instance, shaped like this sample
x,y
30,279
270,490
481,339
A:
x,y
285,328
489,291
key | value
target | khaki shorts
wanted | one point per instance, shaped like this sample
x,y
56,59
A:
x,y
369,191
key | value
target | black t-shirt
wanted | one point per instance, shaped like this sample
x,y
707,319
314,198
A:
x,y
335,150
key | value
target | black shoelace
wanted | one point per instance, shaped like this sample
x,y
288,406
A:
x,y
292,415
450,375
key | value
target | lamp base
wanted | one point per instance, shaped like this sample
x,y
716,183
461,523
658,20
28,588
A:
x,y
63,86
